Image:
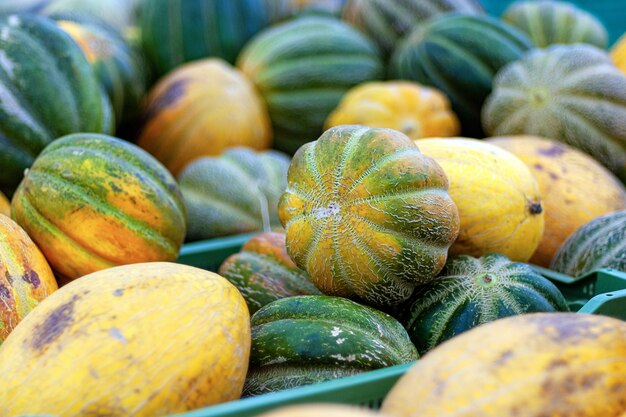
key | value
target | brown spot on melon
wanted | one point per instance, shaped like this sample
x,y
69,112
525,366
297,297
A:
x,y
167,99
54,325
553,151
538,167
32,278
503,358
4,292
556,363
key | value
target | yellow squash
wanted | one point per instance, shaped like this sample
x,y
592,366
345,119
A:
x,y
142,340
321,410
5,205
415,110
575,188
618,53
203,108
496,194
535,365
25,276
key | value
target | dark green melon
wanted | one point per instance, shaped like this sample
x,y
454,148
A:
x,y
601,243
178,31
313,338
549,22
47,90
459,55
236,192
302,68
473,291
119,68
388,21
570,93
263,272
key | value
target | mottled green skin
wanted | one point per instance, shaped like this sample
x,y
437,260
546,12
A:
x,y
307,339
367,215
120,69
302,68
459,55
47,90
601,243
231,193
178,31
473,291
263,272
570,93
388,21
551,22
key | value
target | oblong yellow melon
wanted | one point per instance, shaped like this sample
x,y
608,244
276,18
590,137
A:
x,y
140,340
534,365
496,194
575,188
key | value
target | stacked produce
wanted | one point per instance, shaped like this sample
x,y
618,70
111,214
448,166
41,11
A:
x,y
404,168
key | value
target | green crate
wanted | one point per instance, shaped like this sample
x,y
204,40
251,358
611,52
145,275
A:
x,y
600,292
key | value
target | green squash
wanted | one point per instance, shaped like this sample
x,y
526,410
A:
x,y
302,68
549,22
601,243
313,338
388,21
570,93
236,192
263,272
119,68
473,291
459,55
48,90
178,31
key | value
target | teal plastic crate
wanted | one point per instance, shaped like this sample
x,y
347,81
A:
x,y
600,292
612,13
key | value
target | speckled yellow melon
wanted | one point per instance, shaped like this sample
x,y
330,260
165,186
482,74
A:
x,y
575,188
318,410
142,340
496,194
5,205
415,110
534,365
25,276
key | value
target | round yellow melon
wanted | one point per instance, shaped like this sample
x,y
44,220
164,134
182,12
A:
x,y
415,110
5,205
496,194
321,410
200,109
534,365
575,188
142,340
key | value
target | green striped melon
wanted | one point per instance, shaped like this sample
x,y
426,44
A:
x,y
47,90
236,192
601,243
119,68
570,93
459,55
302,68
313,338
177,31
388,21
263,272
473,291
547,22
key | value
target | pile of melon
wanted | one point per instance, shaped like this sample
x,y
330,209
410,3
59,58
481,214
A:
x,y
403,167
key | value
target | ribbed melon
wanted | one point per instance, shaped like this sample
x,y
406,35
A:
x,y
91,202
548,22
313,338
388,21
302,68
601,243
571,93
459,55
236,192
48,90
472,291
